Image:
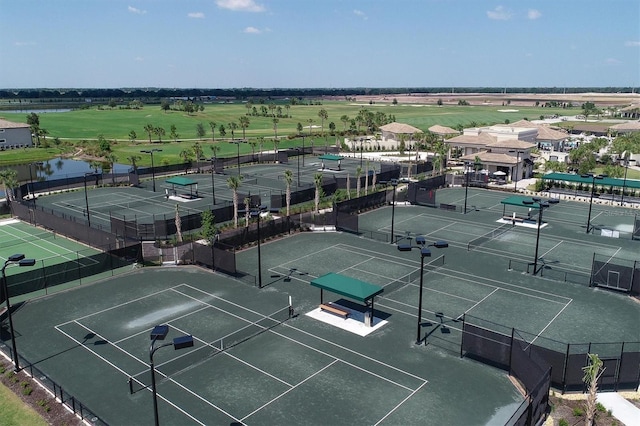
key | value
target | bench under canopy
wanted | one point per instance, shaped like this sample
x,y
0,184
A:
x,y
352,288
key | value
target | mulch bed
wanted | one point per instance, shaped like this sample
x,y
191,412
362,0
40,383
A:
x,y
571,410
35,396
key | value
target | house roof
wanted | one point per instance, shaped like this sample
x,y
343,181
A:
x,y
481,139
629,125
511,143
6,124
546,133
491,157
631,107
443,130
399,128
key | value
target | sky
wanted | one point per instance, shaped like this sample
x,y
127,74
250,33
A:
x,y
319,43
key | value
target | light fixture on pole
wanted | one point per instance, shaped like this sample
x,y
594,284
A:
x,y
625,156
298,149
86,197
153,171
302,153
257,213
394,185
159,332
424,252
593,185
20,261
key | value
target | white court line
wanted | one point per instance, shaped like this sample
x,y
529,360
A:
x,y
289,390
482,300
400,403
551,249
37,243
549,324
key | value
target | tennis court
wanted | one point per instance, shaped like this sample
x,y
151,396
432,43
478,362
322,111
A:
x,y
254,363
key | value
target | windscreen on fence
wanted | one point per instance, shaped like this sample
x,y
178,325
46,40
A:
x,y
613,273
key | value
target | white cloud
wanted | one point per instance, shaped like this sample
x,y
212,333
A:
x,y
612,61
196,15
499,13
136,10
360,14
632,43
240,5
25,43
251,30
533,14
138,59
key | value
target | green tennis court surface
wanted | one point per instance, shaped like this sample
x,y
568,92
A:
x,y
252,364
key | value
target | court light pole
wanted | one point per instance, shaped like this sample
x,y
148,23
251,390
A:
x,y
20,261
238,155
256,213
541,206
466,186
593,187
86,197
424,252
515,185
213,184
159,332
394,185
153,171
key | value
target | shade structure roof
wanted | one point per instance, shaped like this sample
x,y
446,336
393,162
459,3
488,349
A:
x,y
181,181
347,286
331,157
519,200
606,181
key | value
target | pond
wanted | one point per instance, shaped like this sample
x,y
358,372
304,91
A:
x,y
60,168
36,111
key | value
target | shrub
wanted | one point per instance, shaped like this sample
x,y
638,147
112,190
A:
x,y
27,390
563,422
578,412
600,407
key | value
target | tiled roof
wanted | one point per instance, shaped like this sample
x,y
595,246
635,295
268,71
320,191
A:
x,y
399,128
5,124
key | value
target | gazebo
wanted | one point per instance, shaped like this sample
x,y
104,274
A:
x,y
183,182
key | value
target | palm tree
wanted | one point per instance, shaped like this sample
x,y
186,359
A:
x,y
275,127
348,186
276,142
198,153
592,373
244,123
366,178
288,178
186,155
178,222
261,147
233,126
149,129
112,159
160,132
254,144
323,115
247,211
9,180
134,162
317,180
233,182
358,184
345,120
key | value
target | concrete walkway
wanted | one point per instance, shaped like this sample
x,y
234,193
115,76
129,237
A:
x,y
621,409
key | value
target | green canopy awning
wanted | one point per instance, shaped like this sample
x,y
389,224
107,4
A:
x,y
519,200
607,181
181,181
331,157
347,286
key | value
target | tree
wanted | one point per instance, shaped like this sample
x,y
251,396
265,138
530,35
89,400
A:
x,y
134,163
299,128
276,142
212,124
275,127
33,120
149,129
244,124
222,131
160,132
345,120
173,133
200,131
310,121
233,182
112,103
317,180
165,106
9,181
112,159
186,155
366,177
592,372
260,147
208,229
198,153
233,126
358,180
247,211
588,108
323,115
133,136
288,179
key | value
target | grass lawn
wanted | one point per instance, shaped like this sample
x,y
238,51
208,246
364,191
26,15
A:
x,y
15,412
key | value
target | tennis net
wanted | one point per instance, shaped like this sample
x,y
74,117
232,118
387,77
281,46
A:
x,y
477,242
203,353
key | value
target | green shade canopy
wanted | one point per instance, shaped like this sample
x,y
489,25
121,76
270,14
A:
x,y
181,181
607,181
330,157
519,200
347,286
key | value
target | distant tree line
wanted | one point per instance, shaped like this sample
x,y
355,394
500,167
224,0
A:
x,y
248,93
